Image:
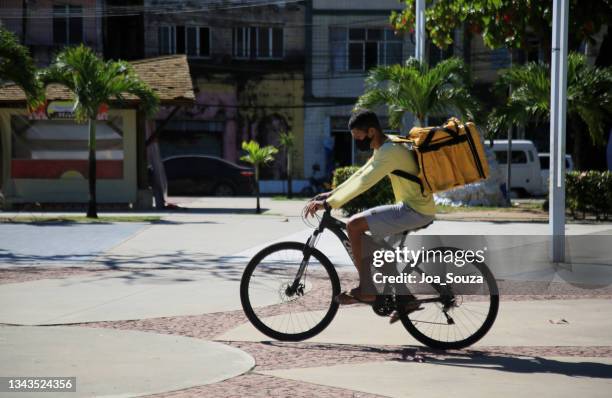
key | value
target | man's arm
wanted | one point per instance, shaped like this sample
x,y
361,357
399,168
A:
x,y
351,177
363,179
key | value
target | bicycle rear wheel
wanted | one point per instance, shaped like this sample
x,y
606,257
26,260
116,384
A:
x,y
463,319
296,317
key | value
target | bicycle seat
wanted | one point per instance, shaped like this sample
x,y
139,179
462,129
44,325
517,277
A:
x,y
406,232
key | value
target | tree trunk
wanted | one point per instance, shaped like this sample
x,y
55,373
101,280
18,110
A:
x,y
289,171
257,209
509,149
92,209
578,135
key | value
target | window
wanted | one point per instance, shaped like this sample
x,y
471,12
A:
x,y
67,24
532,51
167,40
191,40
359,49
436,55
517,157
258,42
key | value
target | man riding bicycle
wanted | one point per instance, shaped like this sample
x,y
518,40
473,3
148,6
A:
x,y
413,209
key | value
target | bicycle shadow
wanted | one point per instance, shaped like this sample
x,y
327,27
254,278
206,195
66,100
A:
x,y
473,359
525,365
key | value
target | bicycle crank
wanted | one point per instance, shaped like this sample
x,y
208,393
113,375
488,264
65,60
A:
x,y
383,305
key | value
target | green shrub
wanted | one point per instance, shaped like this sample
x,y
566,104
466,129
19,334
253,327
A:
x,y
589,192
379,194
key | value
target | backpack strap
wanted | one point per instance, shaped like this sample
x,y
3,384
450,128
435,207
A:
x,y
453,133
411,177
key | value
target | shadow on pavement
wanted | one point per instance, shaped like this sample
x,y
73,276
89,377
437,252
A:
x,y
468,359
222,267
516,364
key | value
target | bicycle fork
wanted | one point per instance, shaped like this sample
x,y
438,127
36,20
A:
x,y
307,252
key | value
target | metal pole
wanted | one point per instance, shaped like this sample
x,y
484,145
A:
x,y
509,151
509,167
419,51
558,103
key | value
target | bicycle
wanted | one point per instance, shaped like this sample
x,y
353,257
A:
x,y
309,282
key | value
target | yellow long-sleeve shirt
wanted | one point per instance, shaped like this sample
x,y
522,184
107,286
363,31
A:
x,y
390,156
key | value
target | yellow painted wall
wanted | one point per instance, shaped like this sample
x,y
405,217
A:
x,y
285,91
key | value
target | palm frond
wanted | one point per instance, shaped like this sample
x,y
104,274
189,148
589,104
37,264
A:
x,y
287,140
420,90
589,94
256,155
95,82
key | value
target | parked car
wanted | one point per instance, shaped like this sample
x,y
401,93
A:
x,y
526,178
207,175
545,166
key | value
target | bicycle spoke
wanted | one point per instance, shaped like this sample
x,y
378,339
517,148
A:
x,y
468,315
291,312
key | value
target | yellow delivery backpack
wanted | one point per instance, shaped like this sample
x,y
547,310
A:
x,y
449,156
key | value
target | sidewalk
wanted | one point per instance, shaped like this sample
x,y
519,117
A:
x,y
180,279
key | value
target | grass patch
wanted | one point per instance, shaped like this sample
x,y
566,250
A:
x,y
282,197
520,207
77,219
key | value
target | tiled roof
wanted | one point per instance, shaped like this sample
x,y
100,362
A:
x,y
168,75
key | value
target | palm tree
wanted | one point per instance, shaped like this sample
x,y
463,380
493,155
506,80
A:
x,y
17,66
589,99
257,156
287,141
418,89
94,83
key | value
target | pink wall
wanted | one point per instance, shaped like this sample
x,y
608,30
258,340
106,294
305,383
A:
x,y
39,26
208,105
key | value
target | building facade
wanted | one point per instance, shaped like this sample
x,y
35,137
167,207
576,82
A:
x,y
247,63
344,40
44,154
46,26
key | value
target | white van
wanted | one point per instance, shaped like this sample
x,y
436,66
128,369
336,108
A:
x,y
545,166
526,178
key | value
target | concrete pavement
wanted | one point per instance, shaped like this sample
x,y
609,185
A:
x,y
190,264
467,376
193,240
54,244
138,294
519,323
193,265
116,363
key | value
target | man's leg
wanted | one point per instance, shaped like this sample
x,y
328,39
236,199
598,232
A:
x,y
356,227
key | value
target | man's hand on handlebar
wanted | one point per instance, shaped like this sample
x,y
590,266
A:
x,y
313,206
323,196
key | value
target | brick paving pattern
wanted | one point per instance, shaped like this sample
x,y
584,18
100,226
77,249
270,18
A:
x,y
281,355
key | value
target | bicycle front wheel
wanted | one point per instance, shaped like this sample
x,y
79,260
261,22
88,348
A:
x,y
276,311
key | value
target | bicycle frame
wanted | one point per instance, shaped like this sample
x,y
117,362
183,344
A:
x,y
337,227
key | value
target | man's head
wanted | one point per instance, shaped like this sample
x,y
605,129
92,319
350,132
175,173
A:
x,y
364,127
